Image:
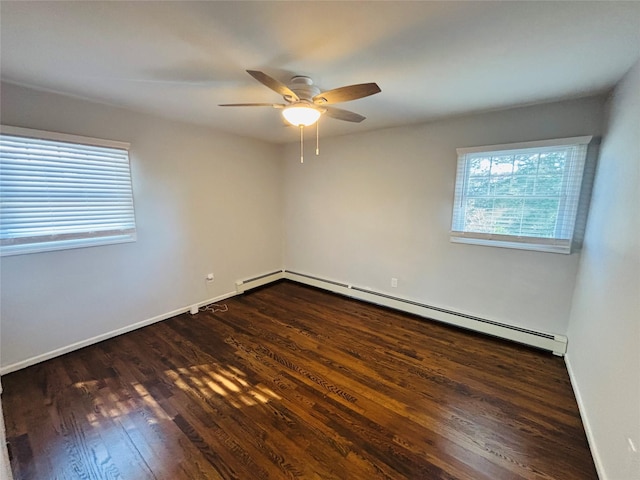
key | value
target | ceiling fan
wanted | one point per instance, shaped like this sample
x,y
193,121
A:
x,y
305,102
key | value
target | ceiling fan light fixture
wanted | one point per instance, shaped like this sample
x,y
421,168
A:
x,y
301,115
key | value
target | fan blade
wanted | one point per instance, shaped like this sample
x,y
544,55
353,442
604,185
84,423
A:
x,y
343,114
274,84
274,105
344,94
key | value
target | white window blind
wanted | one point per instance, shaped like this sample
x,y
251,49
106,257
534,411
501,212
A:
x,y
519,195
62,191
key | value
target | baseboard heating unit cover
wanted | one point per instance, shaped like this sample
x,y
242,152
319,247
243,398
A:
x,y
546,341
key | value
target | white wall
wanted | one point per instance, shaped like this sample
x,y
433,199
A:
x,y
378,205
604,329
205,202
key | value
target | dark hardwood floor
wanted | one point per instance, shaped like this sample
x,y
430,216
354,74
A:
x,y
291,382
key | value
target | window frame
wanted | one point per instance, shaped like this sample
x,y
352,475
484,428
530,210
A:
x,y
80,239
568,213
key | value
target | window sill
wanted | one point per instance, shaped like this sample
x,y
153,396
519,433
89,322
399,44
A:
x,y
9,250
557,246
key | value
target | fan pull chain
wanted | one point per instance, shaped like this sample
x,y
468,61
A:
x,y
301,143
318,137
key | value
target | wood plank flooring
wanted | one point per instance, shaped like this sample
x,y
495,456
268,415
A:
x,y
295,383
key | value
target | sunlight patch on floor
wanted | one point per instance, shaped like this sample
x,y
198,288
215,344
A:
x,y
206,380
212,381
115,404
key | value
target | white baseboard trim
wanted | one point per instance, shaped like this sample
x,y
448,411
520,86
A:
x,y
585,420
546,341
105,336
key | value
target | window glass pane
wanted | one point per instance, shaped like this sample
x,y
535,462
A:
x,y
502,165
526,164
549,185
539,218
478,186
552,163
479,166
500,185
507,213
479,216
523,185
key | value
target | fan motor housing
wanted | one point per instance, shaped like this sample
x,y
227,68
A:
x,y
304,88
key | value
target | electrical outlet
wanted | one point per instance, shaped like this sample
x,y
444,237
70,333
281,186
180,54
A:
x,y
210,277
394,282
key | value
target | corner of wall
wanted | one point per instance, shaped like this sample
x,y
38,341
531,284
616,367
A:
x,y
585,418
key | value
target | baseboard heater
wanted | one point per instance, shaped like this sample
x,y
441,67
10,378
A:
x,y
255,282
546,341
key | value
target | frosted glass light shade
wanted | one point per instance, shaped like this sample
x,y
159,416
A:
x,y
301,115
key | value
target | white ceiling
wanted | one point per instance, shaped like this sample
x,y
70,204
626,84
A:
x,y
431,59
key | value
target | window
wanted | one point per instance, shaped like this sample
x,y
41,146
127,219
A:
x,y
522,195
62,191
